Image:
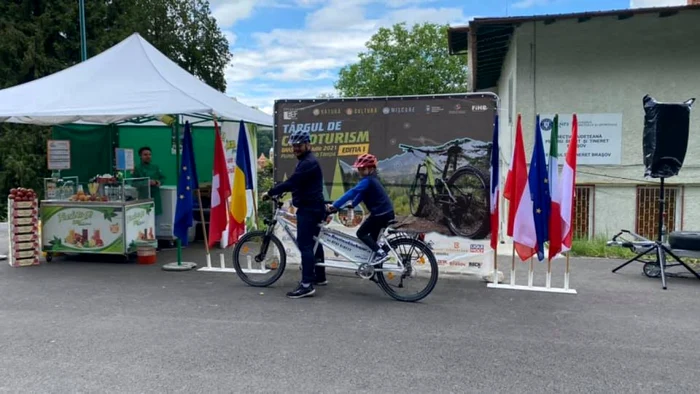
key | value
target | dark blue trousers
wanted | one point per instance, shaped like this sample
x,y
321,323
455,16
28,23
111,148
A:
x,y
307,229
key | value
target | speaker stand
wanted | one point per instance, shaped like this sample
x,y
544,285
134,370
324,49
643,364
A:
x,y
659,248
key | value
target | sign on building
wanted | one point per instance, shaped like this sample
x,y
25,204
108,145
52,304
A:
x,y
599,137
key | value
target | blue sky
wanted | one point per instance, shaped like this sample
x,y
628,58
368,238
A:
x,y
294,48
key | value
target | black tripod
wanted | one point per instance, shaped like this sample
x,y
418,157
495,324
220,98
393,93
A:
x,y
660,249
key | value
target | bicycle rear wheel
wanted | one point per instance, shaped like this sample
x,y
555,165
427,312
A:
x,y
468,215
250,264
408,250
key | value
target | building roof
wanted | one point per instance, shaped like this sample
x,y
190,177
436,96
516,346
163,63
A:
x,y
489,38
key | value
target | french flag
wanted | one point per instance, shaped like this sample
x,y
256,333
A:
x,y
495,180
521,222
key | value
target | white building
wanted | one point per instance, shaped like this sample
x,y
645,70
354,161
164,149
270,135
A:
x,y
597,63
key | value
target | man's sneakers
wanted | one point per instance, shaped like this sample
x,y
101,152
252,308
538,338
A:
x,y
302,291
380,257
321,282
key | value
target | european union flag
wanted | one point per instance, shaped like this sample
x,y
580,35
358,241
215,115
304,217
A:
x,y
539,191
186,185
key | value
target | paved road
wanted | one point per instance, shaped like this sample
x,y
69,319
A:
x,y
108,327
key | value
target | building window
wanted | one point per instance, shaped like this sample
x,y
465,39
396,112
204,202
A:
x,y
583,211
648,210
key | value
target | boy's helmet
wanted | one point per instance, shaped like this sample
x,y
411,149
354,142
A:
x,y
365,160
299,137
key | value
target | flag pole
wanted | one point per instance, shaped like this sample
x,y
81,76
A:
x,y
255,209
549,273
495,265
531,273
512,268
178,266
178,164
204,228
254,192
566,273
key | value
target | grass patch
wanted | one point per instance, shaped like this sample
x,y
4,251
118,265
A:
x,y
596,247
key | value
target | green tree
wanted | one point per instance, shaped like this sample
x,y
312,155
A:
x,y
399,61
185,31
41,37
264,142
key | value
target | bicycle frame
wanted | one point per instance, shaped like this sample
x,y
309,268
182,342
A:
x,y
431,181
342,244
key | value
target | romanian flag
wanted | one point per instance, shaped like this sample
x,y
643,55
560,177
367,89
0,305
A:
x,y
242,182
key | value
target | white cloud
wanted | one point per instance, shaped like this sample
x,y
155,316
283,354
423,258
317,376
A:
x,y
230,37
227,13
656,3
263,96
332,37
531,3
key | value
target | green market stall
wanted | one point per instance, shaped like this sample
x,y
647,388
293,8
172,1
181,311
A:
x,y
92,152
130,83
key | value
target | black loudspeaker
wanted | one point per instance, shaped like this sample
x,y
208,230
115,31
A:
x,y
665,141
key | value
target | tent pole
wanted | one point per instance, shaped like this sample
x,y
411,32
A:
x,y
83,38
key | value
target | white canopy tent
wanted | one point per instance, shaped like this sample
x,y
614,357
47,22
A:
x,y
130,80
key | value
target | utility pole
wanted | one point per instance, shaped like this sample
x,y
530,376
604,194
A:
x,y
83,38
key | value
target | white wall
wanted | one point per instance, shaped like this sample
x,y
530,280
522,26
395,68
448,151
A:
x,y
608,65
614,209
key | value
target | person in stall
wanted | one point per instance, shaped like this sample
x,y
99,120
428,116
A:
x,y
149,170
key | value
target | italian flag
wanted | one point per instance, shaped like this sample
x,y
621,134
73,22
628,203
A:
x,y
560,241
555,210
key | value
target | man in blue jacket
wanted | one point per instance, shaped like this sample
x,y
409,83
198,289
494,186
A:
x,y
306,185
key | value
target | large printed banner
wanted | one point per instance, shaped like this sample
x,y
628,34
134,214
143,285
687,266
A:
x,y
433,153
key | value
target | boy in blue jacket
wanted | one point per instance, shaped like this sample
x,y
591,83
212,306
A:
x,y
372,193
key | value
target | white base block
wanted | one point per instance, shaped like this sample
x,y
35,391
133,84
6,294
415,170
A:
x,y
214,269
489,277
532,288
183,266
223,268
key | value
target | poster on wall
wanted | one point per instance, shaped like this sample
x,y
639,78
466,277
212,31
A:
x,y
433,153
599,137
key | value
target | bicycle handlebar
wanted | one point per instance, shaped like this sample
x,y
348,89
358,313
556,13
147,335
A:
x,y
435,149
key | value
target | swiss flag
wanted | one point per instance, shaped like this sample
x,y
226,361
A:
x,y
220,192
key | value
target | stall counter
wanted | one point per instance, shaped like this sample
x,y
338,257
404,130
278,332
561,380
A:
x,y
96,227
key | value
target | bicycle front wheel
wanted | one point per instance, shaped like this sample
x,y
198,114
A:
x,y
259,259
418,262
